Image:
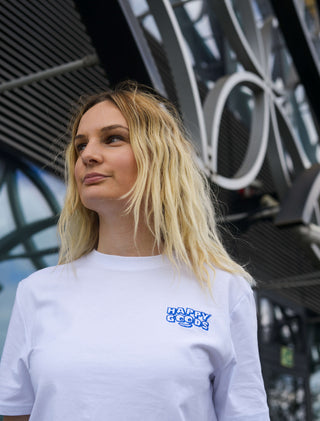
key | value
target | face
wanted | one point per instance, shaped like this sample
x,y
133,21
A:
x,y
106,168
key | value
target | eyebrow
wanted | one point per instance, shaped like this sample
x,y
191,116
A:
x,y
104,129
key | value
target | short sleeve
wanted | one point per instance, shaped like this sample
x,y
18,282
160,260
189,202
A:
x,y
16,392
239,393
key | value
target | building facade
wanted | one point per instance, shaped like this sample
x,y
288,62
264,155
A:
x,y
245,75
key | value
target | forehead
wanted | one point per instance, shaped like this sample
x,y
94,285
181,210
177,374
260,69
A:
x,y
101,115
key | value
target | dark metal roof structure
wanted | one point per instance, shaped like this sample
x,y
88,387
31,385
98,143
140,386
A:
x,y
47,61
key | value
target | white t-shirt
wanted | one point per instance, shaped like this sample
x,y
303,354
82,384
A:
x,y
129,339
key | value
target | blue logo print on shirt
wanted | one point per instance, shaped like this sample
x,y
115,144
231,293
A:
x,y
187,317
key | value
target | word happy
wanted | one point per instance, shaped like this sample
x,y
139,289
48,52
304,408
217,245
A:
x,y
187,317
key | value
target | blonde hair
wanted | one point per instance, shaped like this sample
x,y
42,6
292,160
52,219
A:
x,y
172,193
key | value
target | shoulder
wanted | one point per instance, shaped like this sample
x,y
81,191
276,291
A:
x,y
231,282
40,277
48,280
230,288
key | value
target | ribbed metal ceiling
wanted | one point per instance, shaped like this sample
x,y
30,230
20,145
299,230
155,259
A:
x,y
38,35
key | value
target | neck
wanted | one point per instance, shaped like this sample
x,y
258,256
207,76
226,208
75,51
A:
x,y
116,236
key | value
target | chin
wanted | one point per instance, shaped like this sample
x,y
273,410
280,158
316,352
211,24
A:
x,y
103,204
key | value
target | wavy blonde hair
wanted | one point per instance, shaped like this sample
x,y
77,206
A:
x,y
171,191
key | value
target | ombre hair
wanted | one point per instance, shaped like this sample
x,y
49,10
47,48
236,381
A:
x,y
170,193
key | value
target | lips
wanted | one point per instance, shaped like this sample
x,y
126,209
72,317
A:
x,y
93,178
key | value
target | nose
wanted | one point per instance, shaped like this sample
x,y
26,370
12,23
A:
x,y
91,154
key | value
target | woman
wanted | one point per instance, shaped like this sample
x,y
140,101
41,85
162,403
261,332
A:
x,y
146,317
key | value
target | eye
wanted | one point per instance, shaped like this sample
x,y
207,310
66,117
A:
x,y
114,139
80,147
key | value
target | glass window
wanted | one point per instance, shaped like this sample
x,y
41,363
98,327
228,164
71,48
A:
x,y
287,401
314,336
30,201
280,325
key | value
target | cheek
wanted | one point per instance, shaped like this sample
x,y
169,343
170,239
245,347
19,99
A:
x,y
77,174
133,170
129,166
